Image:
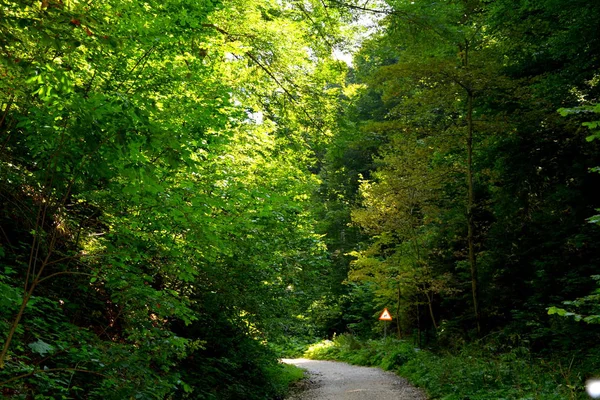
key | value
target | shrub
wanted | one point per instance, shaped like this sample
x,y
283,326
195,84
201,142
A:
x,y
388,354
472,372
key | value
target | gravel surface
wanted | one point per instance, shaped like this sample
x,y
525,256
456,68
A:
x,y
331,380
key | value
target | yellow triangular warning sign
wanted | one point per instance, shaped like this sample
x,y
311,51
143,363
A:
x,y
385,315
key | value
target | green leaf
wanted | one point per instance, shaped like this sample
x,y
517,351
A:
x,y
555,310
594,219
40,347
592,137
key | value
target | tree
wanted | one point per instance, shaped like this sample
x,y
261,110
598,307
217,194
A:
x,y
154,174
482,90
444,63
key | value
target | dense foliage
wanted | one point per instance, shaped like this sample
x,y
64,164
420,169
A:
x,y
155,172
189,187
476,201
474,372
464,176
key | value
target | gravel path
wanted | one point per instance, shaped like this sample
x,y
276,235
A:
x,y
330,380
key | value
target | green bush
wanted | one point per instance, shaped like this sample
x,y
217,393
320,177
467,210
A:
x,y
479,374
282,376
290,347
324,350
388,354
472,372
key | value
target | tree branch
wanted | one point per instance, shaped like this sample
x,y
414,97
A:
x,y
361,8
63,273
48,371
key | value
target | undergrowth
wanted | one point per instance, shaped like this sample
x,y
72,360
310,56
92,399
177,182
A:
x,y
291,347
473,372
282,377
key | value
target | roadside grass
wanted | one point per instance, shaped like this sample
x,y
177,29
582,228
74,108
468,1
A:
x,y
283,377
473,372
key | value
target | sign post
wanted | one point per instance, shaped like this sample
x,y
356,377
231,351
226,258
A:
x,y
385,317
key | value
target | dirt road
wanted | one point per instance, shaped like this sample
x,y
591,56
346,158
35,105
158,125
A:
x,y
331,380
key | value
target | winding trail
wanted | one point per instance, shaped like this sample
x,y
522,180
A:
x,y
331,380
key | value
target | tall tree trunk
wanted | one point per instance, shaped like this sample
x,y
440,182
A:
x,y
430,307
398,325
470,206
418,324
470,199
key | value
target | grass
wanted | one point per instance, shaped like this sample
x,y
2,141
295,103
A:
x,y
283,377
472,372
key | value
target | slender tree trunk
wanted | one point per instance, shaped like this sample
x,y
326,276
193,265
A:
x,y
430,306
418,324
33,277
470,206
398,325
470,196
425,290
13,328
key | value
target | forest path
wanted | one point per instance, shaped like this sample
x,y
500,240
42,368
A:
x,y
332,380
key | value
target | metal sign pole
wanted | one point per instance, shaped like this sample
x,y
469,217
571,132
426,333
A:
x,y
385,317
384,330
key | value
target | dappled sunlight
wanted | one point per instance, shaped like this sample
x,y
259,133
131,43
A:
x,y
295,361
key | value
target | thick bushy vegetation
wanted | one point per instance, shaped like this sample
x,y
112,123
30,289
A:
x,y
191,188
474,371
460,192
155,230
